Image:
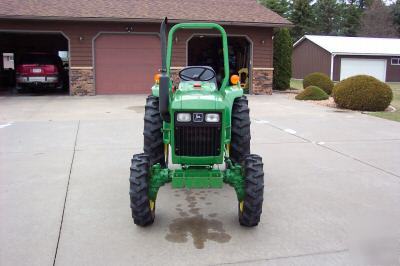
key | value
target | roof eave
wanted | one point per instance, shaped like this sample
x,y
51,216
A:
x,y
145,20
306,37
366,54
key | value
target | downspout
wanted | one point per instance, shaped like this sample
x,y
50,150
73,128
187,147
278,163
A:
x,y
332,63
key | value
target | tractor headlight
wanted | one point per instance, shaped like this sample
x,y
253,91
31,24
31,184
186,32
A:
x,y
184,117
212,118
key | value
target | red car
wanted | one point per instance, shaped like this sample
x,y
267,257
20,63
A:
x,y
40,70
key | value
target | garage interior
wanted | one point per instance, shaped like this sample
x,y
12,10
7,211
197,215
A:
x,y
13,45
207,50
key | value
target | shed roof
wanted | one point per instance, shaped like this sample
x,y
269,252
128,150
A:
x,y
355,45
240,12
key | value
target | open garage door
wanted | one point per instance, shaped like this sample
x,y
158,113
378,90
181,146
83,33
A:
x,y
126,64
206,50
355,66
33,62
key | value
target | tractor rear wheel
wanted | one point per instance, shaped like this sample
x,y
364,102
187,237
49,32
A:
x,y
143,209
153,137
250,208
240,137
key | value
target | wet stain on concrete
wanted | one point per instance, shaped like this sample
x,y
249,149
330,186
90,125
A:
x,y
194,225
199,228
194,211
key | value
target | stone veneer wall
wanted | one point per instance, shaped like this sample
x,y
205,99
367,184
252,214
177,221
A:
x,y
82,81
262,80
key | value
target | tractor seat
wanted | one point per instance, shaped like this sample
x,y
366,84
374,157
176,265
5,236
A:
x,y
198,73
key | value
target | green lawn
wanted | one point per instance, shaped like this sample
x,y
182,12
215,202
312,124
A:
x,y
395,116
296,84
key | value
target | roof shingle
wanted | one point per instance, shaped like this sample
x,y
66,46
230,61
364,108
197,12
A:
x,y
222,11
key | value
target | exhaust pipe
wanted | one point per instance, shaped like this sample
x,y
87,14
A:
x,y
164,79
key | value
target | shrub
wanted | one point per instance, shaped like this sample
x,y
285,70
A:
x,y
312,93
282,59
320,80
362,92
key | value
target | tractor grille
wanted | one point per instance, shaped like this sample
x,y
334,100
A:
x,y
197,139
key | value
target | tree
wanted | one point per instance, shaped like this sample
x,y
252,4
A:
x,y
377,21
282,59
302,17
351,15
279,6
327,17
396,15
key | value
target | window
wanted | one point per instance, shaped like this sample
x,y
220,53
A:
x,y
63,55
395,61
8,60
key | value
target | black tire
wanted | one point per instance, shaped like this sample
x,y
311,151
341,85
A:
x,y
240,133
153,137
142,213
250,213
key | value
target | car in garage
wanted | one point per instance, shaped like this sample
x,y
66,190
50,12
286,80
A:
x,y
40,71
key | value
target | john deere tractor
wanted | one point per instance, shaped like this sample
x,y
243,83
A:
x,y
204,125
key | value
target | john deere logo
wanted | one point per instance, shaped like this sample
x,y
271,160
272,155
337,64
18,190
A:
x,y
197,117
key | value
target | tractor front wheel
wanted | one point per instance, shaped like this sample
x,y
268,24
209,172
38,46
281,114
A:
x,y
251,207
240,136
153,137
143,209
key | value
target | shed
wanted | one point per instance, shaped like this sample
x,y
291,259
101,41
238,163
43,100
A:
x,y
341,57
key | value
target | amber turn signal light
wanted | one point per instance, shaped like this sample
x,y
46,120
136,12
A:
x,y
235,79
157,78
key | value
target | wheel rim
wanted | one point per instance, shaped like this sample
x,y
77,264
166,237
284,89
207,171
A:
x,y
152,204
241,204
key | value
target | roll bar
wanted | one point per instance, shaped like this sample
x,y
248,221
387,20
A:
x,y
200,26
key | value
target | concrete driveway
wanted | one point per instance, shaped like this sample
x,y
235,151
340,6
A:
x,y
332,191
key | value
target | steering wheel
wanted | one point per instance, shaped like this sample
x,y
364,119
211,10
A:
x,y
197,73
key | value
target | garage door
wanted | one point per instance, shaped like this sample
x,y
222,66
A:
x,y
373,67
126,64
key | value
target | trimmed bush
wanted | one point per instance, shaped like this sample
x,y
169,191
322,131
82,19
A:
x,y
312,93
282,59
320,80
363,93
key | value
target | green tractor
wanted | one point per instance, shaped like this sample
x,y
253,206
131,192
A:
x,y
205,125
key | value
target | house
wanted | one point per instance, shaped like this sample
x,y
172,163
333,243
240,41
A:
x,y
342,57
113,47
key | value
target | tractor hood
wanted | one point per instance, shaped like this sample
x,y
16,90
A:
x,y
197,96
